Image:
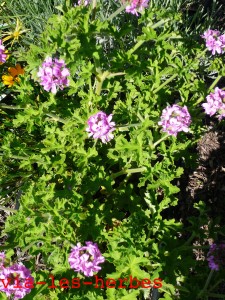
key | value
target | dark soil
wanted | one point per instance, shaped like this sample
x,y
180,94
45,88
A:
x,y
207,181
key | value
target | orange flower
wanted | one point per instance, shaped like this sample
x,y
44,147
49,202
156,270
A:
x,y
12,77
16,71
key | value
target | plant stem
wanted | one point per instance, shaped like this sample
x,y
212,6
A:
x,y
98,88
115,74
125,127
213,287
213,295
56,118
140,117
158,23
190,239
118,11
165,83
19,157
16,156
102,76
160,140
206,284
3,105
209,89
100,79
132,50
214,82
94,5
22,158
128,171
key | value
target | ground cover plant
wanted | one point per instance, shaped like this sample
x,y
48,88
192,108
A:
x,y
98,120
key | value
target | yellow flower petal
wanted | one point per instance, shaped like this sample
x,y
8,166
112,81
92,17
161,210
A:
x,y
8,80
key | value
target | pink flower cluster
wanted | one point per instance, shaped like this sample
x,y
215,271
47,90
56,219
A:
x,y
215,103
101,127
53,74
215,41
175,119
84,2
136,6
15,275
86,259
3,55
216,257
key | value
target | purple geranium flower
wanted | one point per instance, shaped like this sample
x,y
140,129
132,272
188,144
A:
x,y
16,280
53,74
215,103
136,6
175,119
101,127
3,55
215,42
216,257
86,259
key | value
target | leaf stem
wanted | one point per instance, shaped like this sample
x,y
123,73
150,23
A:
x,y
139,43
125,127
165,83
216,296
160,140
118,11
115,74
100,79
213,287
206,284
193,235
94,7
56,118
128,171
214,82
3,105
19,157
209,89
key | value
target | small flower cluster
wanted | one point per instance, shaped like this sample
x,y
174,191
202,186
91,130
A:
x,y
101,127
12,77
84,2
215,103
3,55
215,41
216,257
136,6
175,119
53,74
86,259
11,276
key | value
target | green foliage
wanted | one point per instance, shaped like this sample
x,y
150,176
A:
x,y
120,194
